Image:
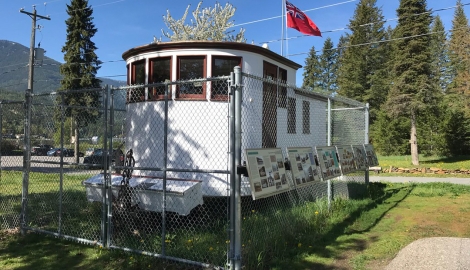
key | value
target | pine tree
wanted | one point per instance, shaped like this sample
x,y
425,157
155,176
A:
x,y
412,89
459,48
311,70
80,68
364,55
431,130
328,67
342,44
440,56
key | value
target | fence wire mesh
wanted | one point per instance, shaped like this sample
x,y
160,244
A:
x,y
147,168
11,163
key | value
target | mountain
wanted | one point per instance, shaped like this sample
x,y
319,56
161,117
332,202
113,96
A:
x,y
14,71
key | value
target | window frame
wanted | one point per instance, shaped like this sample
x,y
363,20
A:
x,y
152,93
140,92
201,96
221,97
282,90
305,117
291,115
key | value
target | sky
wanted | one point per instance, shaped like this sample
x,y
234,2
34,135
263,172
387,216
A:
x,y
125,24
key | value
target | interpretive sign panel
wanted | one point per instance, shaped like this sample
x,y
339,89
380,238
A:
x,y
303,166
346,158
360,157
328,162
266,172
372,159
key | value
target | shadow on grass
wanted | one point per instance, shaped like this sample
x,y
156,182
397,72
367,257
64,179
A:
x,y
329,246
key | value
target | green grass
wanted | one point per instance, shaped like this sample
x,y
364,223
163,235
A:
x,y
361,233
448,163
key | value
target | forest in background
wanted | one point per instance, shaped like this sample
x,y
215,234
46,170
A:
x,y
414,77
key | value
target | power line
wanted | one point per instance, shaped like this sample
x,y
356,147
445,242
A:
x,y
380,41
367,24
100,5
280,16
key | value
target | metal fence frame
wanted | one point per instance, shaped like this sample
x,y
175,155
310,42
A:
x,y
236,132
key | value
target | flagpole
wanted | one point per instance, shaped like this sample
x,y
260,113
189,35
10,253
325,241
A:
x,y
284,23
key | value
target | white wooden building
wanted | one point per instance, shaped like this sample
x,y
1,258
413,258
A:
x,y
198,130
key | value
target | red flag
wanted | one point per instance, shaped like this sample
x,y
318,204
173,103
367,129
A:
x,y
298,20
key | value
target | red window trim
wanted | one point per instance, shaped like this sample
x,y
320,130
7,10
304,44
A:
x,y
191,96
152,91
216,97
132,81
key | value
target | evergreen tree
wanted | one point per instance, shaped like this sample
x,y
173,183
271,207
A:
x,y
80,68
440,56
328,67
364,56
342,44
459,48
311,70
411,91
390,135
430,129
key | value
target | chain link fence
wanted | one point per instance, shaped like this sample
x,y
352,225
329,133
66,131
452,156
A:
x,y
147,171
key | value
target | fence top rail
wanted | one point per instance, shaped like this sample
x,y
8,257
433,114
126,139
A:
x,y
62,92
11,102
322,95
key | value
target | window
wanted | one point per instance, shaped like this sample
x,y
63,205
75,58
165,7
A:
x,y
222,66
128,75
306,117
291,115
282,90
137,77
190,68
160,71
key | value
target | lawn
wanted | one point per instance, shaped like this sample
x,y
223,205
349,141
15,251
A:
x,y
363,233
448,163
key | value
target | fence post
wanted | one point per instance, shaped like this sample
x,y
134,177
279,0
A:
x,y
329,195
26,160
235,178
107,220
61,174
106,188
165,165
366,136
232,168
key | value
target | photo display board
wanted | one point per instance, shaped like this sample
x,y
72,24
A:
x,y
346,159
360,157
303,166
266,172
328,162
372,159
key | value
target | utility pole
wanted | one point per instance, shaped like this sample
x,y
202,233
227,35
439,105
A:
x,y
27,122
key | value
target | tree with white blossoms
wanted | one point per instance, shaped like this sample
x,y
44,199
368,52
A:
x,y
208,24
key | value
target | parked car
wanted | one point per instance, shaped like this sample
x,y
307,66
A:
x,y
89,151
41,150
67,152
97,157
53,152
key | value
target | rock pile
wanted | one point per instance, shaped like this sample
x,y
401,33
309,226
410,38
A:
x,y
431,170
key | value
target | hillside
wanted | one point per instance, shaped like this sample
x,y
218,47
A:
x,y
14,70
